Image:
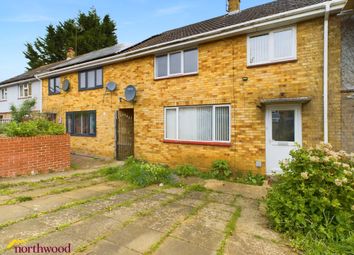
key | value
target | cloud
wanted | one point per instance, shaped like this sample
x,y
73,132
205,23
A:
x,y
27,19
170,10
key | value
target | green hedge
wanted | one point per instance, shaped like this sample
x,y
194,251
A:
x,y
33,128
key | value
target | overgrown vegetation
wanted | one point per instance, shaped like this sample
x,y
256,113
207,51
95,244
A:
x,y
140,173
221,170
23,112
24,124
313,200
33,128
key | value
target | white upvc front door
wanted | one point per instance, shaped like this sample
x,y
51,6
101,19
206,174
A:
x,y
283,132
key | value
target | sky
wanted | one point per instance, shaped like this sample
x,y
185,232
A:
x,y
23,21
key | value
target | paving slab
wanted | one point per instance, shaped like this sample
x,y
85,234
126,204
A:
x,y
13,212
46,203
173,246
109,248
247,191
22,231
252,235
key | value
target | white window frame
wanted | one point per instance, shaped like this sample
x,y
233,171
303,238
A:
x,y
25,86
168,64
213,124
3,91
272,59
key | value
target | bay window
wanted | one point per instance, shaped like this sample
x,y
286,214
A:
x,y
270,47
210,123
176,63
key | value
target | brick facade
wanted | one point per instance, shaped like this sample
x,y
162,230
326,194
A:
x,y
222,65
32,155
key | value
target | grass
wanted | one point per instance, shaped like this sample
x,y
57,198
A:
x,y
229,229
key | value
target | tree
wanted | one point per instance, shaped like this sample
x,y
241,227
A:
x,y
22,112
85,33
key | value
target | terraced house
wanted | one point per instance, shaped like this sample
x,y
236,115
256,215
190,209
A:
x,y
246,87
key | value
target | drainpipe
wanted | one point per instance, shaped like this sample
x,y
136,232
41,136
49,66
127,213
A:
x,y
325,72
40,103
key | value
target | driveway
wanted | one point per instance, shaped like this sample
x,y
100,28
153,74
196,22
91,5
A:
x,y
89,215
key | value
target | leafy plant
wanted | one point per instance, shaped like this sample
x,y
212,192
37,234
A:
x,y
313,200
249,178
22,112
33,128
140,173
2,128
187,170
221,169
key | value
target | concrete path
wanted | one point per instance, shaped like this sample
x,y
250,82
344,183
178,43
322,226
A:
x,y
95,216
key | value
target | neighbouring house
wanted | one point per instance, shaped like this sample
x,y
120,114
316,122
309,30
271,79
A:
x,y
245,87
19,88
347,62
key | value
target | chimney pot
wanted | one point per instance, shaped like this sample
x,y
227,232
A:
x,y
233,6
70,53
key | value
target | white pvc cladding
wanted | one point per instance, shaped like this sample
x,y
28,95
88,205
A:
x,y
198,123
272,46
176,63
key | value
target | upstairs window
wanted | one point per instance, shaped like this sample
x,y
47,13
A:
x,y
54,85
91,79
209,123
25,90
176,63
275,46
81,123
3,94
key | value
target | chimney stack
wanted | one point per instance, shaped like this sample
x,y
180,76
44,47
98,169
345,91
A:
x,y
70,53
233,6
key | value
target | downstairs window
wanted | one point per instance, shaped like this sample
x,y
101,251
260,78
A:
x,y
81,123
209,123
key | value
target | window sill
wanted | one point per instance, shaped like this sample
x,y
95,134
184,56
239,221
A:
x,y
284,61
53,94
98,87
3,100
76,135
175,76
21,98
220,144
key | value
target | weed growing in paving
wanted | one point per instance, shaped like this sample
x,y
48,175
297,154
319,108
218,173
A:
x,y
229,229
140,173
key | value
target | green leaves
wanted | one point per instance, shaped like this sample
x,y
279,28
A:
x,y
33,128
313,198
85,33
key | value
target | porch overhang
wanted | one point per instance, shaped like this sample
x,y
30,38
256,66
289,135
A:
x,y
292,100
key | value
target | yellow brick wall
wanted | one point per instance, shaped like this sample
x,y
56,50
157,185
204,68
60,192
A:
x,y
222,65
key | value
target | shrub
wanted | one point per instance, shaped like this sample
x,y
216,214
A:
x,y
187,170
220,169
23,112
2,128
33,128
314,198
249,178
140,173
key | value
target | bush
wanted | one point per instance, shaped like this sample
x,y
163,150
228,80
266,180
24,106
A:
x,y
314,199
221,170
2,128
249,178
23,112
187,170
140,173
33,128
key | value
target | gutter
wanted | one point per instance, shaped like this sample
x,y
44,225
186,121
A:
x,y
325,71
281,18
17,82
40,105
